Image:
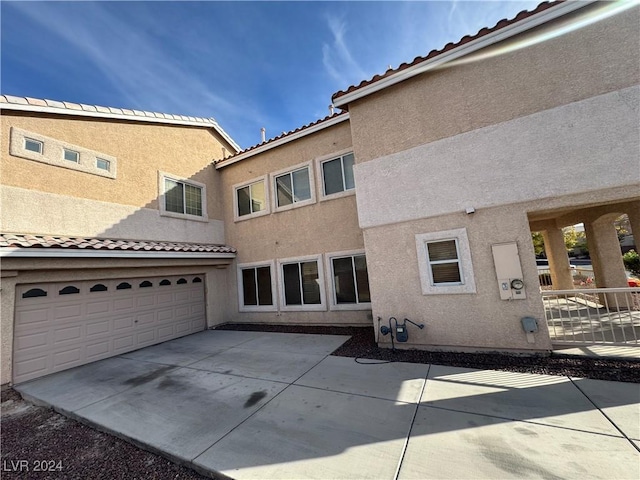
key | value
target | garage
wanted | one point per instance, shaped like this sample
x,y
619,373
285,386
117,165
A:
x,y
66,324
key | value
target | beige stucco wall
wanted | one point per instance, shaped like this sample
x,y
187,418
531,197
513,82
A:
x,y
16,271
584,146
141,151
323,227
478,321
589,61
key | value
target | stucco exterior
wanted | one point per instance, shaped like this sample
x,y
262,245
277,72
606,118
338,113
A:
x,y
324,226
557,70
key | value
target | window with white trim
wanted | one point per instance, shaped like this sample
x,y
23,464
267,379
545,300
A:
x,y
103,164
293,187
32,145
71,155
182,198
349,281
444,262
301,283
251,199
256,287
337,174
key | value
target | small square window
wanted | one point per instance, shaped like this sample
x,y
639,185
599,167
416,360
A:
x,y
103,164
251,199
71,155
32,145
182,197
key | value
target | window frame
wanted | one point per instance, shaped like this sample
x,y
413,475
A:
x,y
318,307
312,187
333,303
267,200
320,161
74,152
274,293
162,176
40,151
467,284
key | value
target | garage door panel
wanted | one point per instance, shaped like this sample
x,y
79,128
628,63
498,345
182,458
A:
x,y
68,312
98,328
54,331
123,323
96,351
98,307
62,335
27,341
123,304
32,318
67,357
123,343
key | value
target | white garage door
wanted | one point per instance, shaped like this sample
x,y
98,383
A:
x,y
63,325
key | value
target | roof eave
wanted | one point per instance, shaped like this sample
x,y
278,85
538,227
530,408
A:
x,y
131,118
286,139
487,40
21,252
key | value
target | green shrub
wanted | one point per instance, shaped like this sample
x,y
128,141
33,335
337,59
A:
x,y
631,261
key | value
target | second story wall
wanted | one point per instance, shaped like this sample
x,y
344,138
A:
x,y
112,181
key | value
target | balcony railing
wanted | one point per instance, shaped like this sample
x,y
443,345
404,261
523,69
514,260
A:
x,y
593,316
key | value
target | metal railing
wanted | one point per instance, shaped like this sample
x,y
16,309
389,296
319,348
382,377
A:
x,y
582,276
593,316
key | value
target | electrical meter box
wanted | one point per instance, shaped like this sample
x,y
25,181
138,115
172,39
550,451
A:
x,y
508,271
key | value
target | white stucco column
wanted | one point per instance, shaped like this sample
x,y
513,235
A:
x,y
554,247
604,250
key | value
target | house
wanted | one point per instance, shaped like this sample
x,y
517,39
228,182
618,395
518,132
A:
x,y
417,200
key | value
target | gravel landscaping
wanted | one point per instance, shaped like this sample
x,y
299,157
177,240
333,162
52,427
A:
x,y
74,451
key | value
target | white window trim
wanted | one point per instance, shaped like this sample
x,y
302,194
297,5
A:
x,y
333,305
185,216
53,153
267,199
468,284
312,187
274,292
318,163
322,306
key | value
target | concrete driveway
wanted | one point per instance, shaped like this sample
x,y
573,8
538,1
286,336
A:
x,y
278,406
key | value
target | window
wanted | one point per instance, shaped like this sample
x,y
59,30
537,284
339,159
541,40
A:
x,y
337,174
98,287
103,164
445,262
145,284
182,198
34,292
165,282
32,145
256,287
350,281
71,155
301,282
251,199
123,286
293,188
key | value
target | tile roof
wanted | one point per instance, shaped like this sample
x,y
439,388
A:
x,y
17,240
69,108
285,134
450,46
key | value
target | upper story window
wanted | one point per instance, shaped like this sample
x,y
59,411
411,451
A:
x,y
337,174
32,145
182,198
58,153
444,262
251,199
71,155
103,164
294,187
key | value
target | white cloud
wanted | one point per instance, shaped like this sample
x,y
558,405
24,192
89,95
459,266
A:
x,y
337,57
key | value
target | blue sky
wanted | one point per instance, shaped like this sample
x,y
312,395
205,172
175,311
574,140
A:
x,y
247,64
